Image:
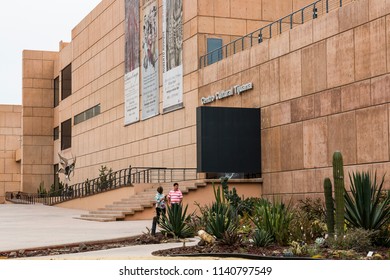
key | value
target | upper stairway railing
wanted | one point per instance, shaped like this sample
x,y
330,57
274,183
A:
x,y
110,181
309,12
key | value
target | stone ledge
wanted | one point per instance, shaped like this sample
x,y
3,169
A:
x,y
254,180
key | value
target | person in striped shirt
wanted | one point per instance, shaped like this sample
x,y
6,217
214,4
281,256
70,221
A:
x,y
175,196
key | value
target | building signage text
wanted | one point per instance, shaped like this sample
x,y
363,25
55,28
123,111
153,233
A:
x,y
238,89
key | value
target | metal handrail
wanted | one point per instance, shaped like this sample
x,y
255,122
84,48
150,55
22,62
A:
x,y
110,181
309,12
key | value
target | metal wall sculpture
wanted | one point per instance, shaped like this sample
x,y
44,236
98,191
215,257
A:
x,y
67,168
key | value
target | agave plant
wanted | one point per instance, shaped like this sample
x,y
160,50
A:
x,y
175,221
220,215
366,206
219,219
262,238
275,219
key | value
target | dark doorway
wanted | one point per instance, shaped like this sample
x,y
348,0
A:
x,y
228,140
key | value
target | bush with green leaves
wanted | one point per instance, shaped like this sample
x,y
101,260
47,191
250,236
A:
x,y
221,218
366,205
218,219
262,238
105,175
231,195
42,192
274,218
357,239
299,248
308,221
175,222
383,237
248,204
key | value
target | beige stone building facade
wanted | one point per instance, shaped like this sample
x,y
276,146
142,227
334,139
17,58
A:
x,y
321,86
10,132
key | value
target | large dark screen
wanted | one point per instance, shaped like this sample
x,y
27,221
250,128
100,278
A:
x,y
228,140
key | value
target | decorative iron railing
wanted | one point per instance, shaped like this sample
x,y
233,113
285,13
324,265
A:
x,y
110,181
309,12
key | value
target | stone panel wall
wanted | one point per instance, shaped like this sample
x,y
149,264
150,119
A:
x,y
37,120
328,91
10,136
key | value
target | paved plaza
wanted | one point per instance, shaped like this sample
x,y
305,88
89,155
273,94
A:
x,y
32,226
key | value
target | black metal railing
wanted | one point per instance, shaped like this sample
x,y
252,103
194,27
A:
x,y
309,12
109,181
162,175
21,197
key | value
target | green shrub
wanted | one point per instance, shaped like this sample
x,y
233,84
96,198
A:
x,y
248,205
218,219
383,237
356,239
275,219
366,206
308,221
231,235
105,177
56,192
221,219
231,195
262,238
42,192
175,222
299,249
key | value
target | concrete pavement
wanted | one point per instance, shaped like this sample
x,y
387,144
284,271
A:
x,y
32,226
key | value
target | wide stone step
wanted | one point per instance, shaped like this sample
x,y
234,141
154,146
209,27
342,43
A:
x,y
114,212
100,215
123,207
97,219
132,203
138,198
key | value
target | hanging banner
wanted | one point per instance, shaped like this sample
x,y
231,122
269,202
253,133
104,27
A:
x,y
132,51
172,55
150,85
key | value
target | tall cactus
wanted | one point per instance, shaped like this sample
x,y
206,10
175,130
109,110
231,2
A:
x,y
338,177
329,204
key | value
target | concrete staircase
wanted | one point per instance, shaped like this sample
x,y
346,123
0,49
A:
x,y
129,206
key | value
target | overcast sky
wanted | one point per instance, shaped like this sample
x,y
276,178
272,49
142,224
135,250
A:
x,y
33,25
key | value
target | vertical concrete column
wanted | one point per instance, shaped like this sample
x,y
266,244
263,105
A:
x,y
37,119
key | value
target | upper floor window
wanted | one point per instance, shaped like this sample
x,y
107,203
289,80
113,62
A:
x,y
86,115
56,133
66,82
212,45
56,91
66,134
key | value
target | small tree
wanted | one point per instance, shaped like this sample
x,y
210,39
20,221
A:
x,y
104,175
42,192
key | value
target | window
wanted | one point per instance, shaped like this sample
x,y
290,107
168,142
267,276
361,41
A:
x,y
56,133
66,82
66,134
86,115
214,44
56,178
56,91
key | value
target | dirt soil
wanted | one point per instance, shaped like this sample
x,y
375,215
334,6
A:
x,y
271,252
242,250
